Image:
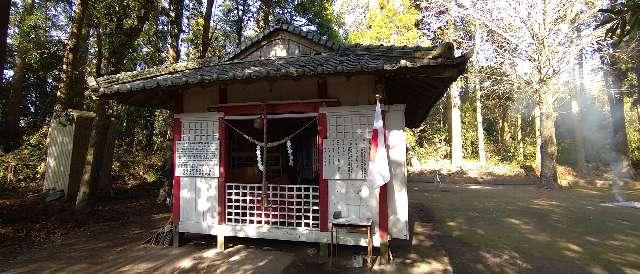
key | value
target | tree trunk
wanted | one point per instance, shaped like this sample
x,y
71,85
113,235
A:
x,y
86,187
206,37
89,183
481,151
14,103
576,109
505,133
176,8
518,130
536,129
455,126
119,47
15,100
104,180
266,11
549,149
619,142
71,92
99,52
5,12
117,52
149,124
239,24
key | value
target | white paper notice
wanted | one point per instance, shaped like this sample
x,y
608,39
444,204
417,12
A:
x,y
197,158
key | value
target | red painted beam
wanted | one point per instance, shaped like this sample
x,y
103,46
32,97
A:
x,y
271,109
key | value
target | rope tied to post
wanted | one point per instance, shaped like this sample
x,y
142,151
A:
x,y
271,144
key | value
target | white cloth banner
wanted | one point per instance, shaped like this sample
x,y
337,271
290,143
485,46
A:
x,y
378,173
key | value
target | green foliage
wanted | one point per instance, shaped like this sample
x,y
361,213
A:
x,y
22,170
388,24
35,36
142,145
633,132
318,15
430,140
621,20
469,126
132,42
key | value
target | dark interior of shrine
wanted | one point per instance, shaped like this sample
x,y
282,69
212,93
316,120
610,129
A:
x,y
302,132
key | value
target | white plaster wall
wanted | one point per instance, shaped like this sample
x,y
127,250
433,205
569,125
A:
x,y
352,90
355,198
197,100
281,90
199,195
349,90
198,204
397,199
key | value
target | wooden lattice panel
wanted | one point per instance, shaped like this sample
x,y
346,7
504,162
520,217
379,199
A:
x,y
349,126
199,130
293,206
197,152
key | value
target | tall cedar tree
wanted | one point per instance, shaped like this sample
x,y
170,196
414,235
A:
x,y
71,92
15,100
176,10
5,12
206,29
120,45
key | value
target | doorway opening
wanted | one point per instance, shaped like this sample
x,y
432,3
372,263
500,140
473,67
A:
x,y
292,171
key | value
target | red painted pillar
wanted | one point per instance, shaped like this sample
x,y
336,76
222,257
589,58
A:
x,y
383,207
324,184
177,135
383,214
222,187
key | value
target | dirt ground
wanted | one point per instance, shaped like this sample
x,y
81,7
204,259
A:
x,y
456,228
516,229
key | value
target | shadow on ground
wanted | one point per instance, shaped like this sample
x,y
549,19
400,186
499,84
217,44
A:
x,y
515,229
455,229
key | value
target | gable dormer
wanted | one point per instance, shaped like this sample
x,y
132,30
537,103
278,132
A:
x,y
283,40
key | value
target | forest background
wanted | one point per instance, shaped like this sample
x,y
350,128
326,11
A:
x,y
550,82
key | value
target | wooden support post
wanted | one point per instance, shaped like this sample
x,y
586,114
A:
x,y
369,246
324,249
220,238
176,236
384,252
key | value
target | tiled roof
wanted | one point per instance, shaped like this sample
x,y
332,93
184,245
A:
x,y
340,59
352,60
415,76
